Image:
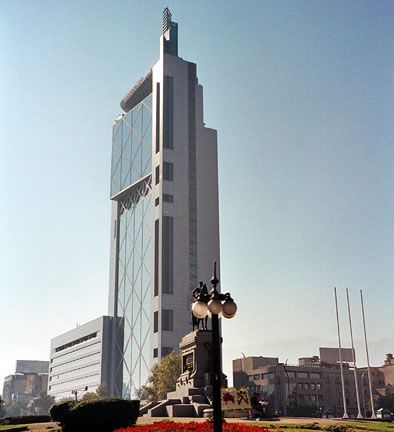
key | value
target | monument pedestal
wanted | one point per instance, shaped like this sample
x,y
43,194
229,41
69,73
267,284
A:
x,y
193,388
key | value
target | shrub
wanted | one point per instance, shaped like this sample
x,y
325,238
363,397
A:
x,y
27,419
92,415
60,411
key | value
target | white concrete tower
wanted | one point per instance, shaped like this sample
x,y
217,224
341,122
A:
x,y
165,215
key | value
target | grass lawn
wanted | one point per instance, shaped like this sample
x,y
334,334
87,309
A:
x,y
333,427
10,427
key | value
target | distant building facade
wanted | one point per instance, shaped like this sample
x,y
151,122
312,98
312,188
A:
x,y
29,380
312,386
388,370
82,357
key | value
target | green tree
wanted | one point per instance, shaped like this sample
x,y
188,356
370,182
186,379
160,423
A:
x,y
163,378
16,407
41,404
90,396
100,393
387,401
102,390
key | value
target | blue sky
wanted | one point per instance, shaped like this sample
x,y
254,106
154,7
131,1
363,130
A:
x,y
301,93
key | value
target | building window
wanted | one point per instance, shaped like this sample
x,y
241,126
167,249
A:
x,y
168,198
168,255
319,386
267,376
250,377
315,375
301,396
302,374
300,386
320,397
168,126
256,377
157,174
306,386
157,201
156,322
155,352
291,374
168,171
313,397
156,263
167,322
76,342
157,118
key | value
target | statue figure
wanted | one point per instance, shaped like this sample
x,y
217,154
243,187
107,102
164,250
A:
x,y
200,293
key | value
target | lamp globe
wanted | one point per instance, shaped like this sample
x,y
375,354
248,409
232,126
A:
x,y
200,309
229,309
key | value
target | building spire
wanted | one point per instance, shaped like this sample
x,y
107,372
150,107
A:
x,y
170,33
166,19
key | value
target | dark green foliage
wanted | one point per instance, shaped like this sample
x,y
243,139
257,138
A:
x,y
60,411
163,378
16,429
16,407
337,428
105,415
27,419
41,404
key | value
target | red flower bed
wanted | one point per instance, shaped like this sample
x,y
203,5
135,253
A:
x,y
171,426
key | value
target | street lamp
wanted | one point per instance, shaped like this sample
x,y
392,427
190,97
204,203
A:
x,y
215,305
79,392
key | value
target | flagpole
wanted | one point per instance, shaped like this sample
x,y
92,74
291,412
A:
x,y
345,414
359,415
373,416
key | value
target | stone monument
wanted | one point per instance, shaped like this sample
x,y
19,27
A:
x,y
193,388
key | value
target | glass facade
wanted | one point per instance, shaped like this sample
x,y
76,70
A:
x,y
132,146
132,169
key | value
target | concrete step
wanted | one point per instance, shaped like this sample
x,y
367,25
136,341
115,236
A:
x,y
199,408
198,399
146,408
181,410
160,410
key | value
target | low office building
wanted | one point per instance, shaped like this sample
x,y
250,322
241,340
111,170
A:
x,y
313,387
388,370
29,380
82,357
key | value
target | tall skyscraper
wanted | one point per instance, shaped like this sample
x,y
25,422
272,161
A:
x,y
165,216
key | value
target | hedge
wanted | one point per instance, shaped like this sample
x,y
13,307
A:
x,y
26,419
105,415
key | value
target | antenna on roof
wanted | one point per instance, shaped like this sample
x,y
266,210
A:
x,y
170,33
166,19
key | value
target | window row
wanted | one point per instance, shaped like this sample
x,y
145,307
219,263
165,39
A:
x,y
164,351
167,249
166,198
76,353
71,364
73,372
309,386
168,172
310,397
76,342
167,320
